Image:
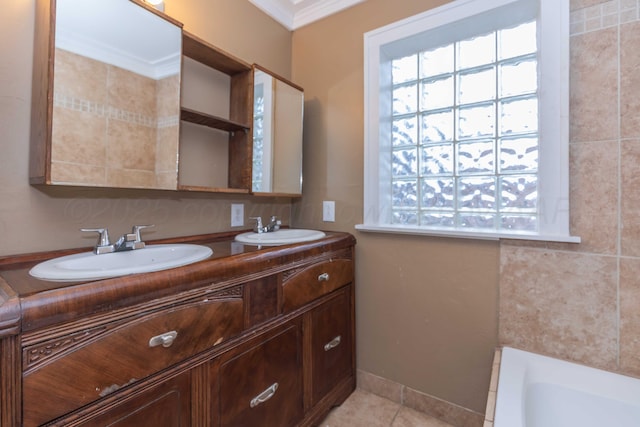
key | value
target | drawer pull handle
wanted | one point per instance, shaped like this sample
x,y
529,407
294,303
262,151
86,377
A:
x,y
265,395
164,340
333,343
324,277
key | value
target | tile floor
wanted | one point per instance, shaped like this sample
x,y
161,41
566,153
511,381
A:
x,y
364,409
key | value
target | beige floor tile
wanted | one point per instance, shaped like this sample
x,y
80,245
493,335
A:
x,y
408,417
362,409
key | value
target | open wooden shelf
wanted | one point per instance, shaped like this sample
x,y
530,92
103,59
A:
x,y
203,189
208,120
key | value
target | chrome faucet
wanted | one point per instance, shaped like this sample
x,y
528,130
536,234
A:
x,y
274,224
126,242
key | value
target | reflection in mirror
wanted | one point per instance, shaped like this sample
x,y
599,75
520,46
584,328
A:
x,y
262,134
116,100
277,135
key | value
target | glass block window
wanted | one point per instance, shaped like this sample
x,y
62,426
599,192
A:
x,y
464,133
466,122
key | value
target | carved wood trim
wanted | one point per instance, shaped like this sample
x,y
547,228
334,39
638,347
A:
x,y
286,275
10,385
36,355
235,292
201,395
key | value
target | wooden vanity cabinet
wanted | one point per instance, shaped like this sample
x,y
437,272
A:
x,y
260,338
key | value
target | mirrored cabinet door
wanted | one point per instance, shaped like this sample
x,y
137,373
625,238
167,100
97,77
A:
x,y
111,97
277,135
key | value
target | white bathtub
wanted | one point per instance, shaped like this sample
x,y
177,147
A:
x,y
539,391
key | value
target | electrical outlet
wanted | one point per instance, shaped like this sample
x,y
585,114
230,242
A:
x,y
329,211
237,214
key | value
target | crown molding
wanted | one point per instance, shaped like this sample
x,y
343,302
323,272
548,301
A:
x,y
294,14
281,12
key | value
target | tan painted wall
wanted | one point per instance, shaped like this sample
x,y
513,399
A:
x,y
35,219
426,307
238,27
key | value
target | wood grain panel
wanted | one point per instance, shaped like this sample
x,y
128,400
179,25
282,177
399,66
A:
x,y
305,285
94,369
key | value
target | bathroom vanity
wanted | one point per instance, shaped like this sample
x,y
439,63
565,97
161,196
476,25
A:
x,y
252,336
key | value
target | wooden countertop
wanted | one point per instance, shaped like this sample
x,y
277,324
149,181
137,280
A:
x,y
27,303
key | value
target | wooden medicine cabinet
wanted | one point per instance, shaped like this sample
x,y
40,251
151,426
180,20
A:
x,y
103,120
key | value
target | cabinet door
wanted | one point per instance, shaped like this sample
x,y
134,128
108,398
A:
x,y
166,405
277,134
331,344
70,140
262,386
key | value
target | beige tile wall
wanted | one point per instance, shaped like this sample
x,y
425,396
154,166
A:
x,y
582,302
111,126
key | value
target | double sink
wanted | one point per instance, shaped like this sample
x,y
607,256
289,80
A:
x,y
87,266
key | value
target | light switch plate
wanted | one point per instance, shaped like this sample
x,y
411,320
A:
x,y
329,211
237,214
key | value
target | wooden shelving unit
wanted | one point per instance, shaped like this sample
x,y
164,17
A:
x,y
238,125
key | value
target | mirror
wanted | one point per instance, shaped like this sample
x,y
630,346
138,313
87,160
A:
x,y
277,135
116,96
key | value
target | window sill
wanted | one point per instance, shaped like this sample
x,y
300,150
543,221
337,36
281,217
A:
x,y
471,234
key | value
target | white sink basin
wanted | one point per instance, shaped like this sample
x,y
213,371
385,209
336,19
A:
x,y
88,266
283,236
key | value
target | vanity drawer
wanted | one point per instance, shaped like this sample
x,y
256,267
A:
x,y
304,285
61,376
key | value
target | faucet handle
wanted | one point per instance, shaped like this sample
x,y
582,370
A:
x,y
275,223
103,239
133,239
136,231
258,227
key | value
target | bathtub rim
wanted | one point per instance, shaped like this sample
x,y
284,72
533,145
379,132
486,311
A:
x,y
525,368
